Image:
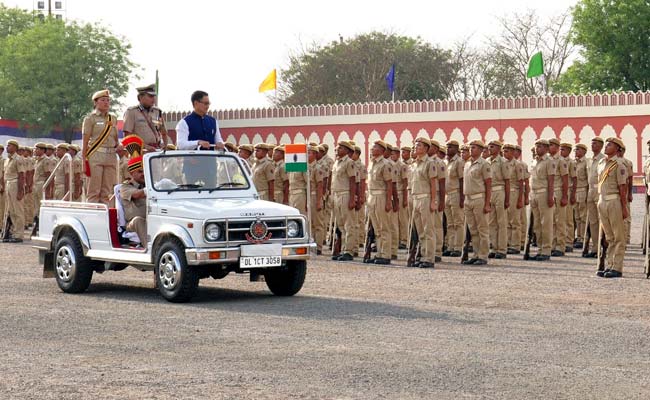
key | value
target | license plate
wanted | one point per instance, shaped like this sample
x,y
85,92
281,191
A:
x,y
259,262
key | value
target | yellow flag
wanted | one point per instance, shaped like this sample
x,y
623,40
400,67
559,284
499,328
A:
x,y
269,82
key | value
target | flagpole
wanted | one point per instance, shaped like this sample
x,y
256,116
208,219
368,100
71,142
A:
x,y
393,95
308,194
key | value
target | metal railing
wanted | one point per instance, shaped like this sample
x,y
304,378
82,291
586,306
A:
x,y
68,195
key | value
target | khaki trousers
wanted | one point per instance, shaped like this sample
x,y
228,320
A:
x,y
424,227
498,222
344,221
594,223
559,222
139,226
610,219
580,213
103,177
317,223
570,226
543,222
37,194
29,207
362,223
393,216
455,222
15,209
438,229
298,199
514,221
403,217
379,220
523,226
477,221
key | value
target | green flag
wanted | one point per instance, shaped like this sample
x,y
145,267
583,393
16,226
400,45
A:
x,y
535,65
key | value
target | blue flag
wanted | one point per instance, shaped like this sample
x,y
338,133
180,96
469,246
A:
x,y
390,79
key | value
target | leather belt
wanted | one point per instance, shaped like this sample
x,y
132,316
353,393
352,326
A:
x,y
475,196
105,150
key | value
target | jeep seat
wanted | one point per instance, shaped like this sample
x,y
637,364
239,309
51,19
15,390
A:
x,y
112,228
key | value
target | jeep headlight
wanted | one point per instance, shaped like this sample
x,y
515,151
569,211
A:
x,y
212,232
293,229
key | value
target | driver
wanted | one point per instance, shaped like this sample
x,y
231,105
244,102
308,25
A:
x,y
134,200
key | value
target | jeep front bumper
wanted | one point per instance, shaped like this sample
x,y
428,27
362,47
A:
x,y
230,255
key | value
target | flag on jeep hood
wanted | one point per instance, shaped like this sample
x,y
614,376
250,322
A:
x,y
295,157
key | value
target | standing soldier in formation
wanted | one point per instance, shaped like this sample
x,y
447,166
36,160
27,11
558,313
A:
x,y
561,182
99,133
477,181
361,195
612,206
146,120
394,158
344,184
281,178
453,201
317,176
77,172
630,172
245,152
402,196
423,194
543,172
516,200
62,174
28,161
597,144
523,217
565,154
14,193
441,168
263,172
498,218
2,181
42,171
582,185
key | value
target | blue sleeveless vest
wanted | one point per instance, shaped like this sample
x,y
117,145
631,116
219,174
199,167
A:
x,y
201,128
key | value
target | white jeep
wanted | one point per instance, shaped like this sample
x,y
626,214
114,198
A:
x,y
204,219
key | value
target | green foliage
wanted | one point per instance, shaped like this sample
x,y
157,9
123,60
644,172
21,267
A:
x,y
615,38
354,70
49,70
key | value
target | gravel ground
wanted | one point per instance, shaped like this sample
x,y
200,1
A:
x,y
509,330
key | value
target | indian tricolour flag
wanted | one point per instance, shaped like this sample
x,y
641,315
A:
x,y
295,157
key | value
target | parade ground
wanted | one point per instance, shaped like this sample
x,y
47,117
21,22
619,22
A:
x,y
508,330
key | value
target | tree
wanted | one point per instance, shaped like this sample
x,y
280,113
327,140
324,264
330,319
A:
x,y
354,70
49,71
614,37
14,20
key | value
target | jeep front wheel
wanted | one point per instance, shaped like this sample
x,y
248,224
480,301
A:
x,y
73,270
286,281
177,282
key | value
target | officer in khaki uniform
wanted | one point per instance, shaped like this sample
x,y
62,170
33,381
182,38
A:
x,y
42,171
477,181
441,168
561,182
630,172
516,198
453,206
612,206
99,133
523,216
28,165
263,172
316,185
134,200
593,219
423,179
394,159
62,174
281,178
582,185
298,190
14,192
565,154
245,152
146,120
498,219
361,195
77,172
344,185
542,200
402,195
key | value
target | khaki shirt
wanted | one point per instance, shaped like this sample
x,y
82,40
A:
x,y
317,174
403,175
562,169
280,176
500,171
42,169
592,170
611,174
135,121
524,167
342,170
423,170
475,175
455,170
646,174
572,168
132,207
298,181
12,167
441,168
93,125
543,168
516,173
59,174
581,173
263,173
380,175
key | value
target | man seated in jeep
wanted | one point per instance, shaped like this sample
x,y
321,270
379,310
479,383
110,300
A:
x,y
134,201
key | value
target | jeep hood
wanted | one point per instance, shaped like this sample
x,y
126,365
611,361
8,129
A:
x,y
223,208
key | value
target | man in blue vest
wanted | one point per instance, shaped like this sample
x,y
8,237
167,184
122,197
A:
x,y
199,130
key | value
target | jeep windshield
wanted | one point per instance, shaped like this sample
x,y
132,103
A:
x,y
206,171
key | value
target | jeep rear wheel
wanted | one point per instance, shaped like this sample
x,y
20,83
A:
x,y
177,282
288,280
73,270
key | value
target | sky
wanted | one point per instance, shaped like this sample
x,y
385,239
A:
x,y
228,48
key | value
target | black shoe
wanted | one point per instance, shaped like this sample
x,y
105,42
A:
x,y
480,261
541,257
12,240
513,251
454,254
447,253
612,273
319,252
438,259
425,265
593,254
402,247
393,257
346,257
368,261
492,255
382,261
336,258
471,261
568,249
557,253
602,273
577,245
470,249
499,256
